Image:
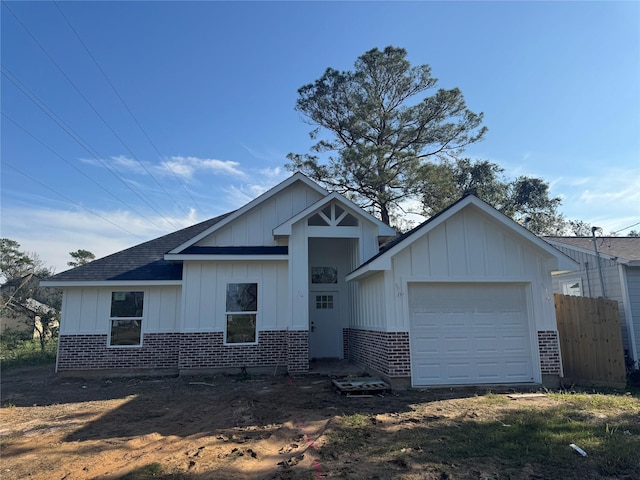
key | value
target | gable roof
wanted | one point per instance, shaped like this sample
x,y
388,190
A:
x,y
143,262
296,177
384,230
382,261
624,249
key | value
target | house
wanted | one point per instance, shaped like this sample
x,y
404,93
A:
x,y
298,274
614,275
23,316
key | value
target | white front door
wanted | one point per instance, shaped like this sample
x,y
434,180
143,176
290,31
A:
x,y
325,327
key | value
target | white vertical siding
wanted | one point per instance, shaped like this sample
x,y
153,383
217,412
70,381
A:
x,y
255,227
87,310
468,247
633,294
299,277
371,310
162,309
205,299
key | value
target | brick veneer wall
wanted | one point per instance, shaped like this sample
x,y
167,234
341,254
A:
x,y
90,352
385,352
186,351
298,342
549,347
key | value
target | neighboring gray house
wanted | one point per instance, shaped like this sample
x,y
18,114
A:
x,y
298,274
619,269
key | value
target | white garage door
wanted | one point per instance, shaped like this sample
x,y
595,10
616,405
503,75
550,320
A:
x,y
469,334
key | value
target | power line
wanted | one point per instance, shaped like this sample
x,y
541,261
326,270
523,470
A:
x,y
24,27
135,119
69,199
622,229
76,137
77,169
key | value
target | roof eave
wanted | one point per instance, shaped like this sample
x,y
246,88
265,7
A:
x,y
109,283
175,257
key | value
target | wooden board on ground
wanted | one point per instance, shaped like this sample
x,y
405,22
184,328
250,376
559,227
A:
x,y
361,386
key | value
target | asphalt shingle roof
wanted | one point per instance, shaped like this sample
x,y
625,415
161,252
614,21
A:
x,y
141,262
625,248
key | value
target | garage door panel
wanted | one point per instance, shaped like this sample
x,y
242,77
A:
x,y
469,333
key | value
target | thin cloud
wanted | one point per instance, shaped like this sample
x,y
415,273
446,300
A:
x,y
186,167
62,231
238,195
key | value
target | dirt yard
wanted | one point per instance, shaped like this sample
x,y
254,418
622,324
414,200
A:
x,y
234,427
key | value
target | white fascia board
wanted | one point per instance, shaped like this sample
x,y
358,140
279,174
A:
x,y
384,230
370,268
110,283
256,201
170,257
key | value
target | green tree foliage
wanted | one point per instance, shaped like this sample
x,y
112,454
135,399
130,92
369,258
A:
x,y
578,228
80,257
525,199
13,262
22,295
383,128
633,233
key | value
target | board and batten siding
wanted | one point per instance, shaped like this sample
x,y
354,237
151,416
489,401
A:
x,y
633,286
467,247
255,227
205,287
371,308
87,310
589,277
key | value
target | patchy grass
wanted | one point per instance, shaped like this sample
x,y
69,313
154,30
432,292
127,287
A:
x,y
536,438
20,353
599,401
275,428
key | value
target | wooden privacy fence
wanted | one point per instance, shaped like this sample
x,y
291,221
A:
x,y
590,341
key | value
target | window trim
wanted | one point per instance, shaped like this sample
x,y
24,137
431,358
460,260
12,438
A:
x,y
566,285
141,319
248,312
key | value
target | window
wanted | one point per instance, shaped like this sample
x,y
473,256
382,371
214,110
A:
x,y
324,275
242,309
126,318
324,302
572,288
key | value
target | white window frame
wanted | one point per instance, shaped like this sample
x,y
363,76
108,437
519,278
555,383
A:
x,y
256,312
140,319
566,287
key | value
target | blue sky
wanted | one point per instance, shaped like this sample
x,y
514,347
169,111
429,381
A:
x,y
213,86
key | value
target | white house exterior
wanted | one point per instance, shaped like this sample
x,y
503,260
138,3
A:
x,y
297,274
615,275
465,298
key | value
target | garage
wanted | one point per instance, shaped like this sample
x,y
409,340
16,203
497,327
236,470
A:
x,y
469,333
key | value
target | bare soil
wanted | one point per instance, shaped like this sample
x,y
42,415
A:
x,y
220,427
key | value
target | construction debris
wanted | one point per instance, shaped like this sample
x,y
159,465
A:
x,y
361,386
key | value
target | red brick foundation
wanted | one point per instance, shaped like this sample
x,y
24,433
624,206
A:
x,y
90,352
385,352
549,348
185,351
